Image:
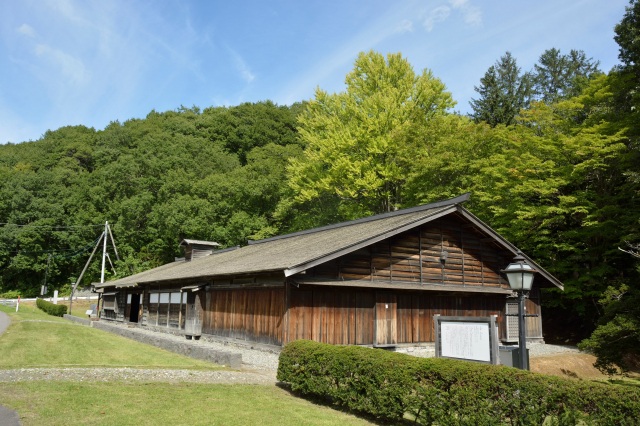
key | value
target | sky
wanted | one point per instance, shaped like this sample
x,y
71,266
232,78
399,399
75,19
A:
x,y
91,62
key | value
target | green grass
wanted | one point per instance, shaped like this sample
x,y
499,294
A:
x,y
65,403
35,339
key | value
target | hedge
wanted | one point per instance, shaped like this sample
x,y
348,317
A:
x,y
395,387
50,308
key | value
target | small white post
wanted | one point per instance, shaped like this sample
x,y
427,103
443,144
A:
x,y
18,304
55,297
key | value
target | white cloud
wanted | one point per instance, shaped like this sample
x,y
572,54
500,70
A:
x,y
240,64
27,30
472,15
439,14
406,26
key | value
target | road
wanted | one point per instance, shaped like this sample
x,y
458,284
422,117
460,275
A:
x,y
4,322
7,417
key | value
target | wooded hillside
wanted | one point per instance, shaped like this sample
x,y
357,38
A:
x,y
215,174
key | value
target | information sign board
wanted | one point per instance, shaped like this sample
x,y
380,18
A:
x,y
468,338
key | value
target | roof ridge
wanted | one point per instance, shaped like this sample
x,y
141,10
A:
x,y
452,201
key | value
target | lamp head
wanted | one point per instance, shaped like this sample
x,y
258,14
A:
x,y
519,273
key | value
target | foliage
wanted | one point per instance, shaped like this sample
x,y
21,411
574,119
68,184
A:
x,y
616,340
359,143
627,35
50,308
556,184
392,386
12,294
503,91
215,175
557,77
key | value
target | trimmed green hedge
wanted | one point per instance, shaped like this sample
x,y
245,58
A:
x,y
50,308
392,386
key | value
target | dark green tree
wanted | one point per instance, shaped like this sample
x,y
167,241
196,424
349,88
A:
x,y
244,127
616,340
156,180
628,38
557,76
503,91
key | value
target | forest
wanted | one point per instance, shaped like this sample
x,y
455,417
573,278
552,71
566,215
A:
x,y
551,157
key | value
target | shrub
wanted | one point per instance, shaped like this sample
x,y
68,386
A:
x,y
11,294
50,308
392,386
616,340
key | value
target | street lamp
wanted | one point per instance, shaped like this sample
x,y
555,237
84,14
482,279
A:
x,y
520,275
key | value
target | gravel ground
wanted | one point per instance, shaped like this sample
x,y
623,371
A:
x,y
137,375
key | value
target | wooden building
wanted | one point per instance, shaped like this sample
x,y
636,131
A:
x,y
374,281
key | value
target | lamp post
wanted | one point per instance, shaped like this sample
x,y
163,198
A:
x,y
520,275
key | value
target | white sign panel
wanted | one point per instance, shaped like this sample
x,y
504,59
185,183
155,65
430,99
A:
x,y
466,340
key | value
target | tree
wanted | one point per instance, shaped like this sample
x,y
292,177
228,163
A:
x,y
244,127
628,37
616,340
555,184
558,76
503,93
156,180
361,143
628,87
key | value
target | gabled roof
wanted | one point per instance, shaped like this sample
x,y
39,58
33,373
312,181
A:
x,y
296,252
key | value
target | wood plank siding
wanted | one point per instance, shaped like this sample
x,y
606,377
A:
x,y
354,316
253,314
445,251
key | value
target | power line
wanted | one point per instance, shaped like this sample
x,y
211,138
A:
x,y
74,250
54,227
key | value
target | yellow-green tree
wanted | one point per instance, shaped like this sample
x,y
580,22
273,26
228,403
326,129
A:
x,y
361,143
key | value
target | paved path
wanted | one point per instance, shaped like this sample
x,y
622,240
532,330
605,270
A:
x,y
7,417
4,322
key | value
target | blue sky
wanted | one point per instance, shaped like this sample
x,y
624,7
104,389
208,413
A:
x,y
90,62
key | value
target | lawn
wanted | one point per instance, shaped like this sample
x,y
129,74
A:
x,y
66,403
36,339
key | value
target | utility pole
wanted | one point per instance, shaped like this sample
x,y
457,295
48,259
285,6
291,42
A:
x,y
104,250
105,235
86,265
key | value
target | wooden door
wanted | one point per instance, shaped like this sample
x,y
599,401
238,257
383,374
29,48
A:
x,y
386,319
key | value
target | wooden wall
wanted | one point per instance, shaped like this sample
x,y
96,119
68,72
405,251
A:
x,y
338,316
446,251
358,316
253,314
